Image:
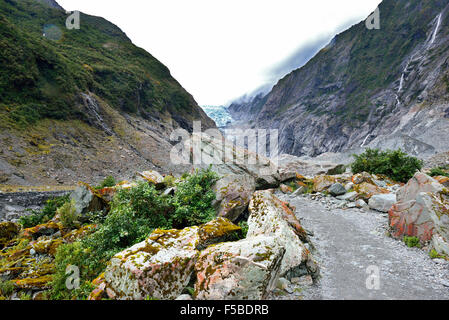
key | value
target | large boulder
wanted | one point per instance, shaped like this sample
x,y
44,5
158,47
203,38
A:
x,y
290,165
367,190
87,199
233,194
243,270
271,217
382,202
153,177
161,266
323,182
422,211
225,158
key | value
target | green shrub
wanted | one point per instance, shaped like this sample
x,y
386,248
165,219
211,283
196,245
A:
x,y
107,183
435,172
412,242
46,214
68,215
6,288
395,164
435,255
134,214
244,225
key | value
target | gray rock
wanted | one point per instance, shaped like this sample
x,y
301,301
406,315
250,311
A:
x,y
184,297
337,189
351,196
382,202
300,191
361,204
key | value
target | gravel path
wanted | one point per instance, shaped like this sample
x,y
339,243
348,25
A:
x,y
349,241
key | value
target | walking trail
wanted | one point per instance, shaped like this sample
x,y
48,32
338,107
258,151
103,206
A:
x,y
350,241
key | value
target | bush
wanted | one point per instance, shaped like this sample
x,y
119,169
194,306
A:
x,y
134,214
68,215
412,242
397,165
46,214
6,288
107,183
435,172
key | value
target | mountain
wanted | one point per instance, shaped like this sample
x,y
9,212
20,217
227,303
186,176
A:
x,y
88,92
384,88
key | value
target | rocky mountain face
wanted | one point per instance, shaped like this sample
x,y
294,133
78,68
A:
x,y
82,103
384,88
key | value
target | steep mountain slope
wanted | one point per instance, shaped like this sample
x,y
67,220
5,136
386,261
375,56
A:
x,y
87,92
379,88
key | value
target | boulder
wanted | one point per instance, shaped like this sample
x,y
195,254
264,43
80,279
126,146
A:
x,y
337,189
351,196
233,193
361,204
271,217
301,190
443,180
87,199
225,158
244,270
290,165
8,231
161,266
422,211
367,190
323,182
362,177
153,177
382,202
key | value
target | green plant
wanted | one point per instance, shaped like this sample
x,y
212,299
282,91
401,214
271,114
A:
x,y
134,214
46,214
435,255
24,296
412,242
108,182
6,288
395,164
440,171
244,225
68,215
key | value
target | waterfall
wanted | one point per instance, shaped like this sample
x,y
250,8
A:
x,y
437,28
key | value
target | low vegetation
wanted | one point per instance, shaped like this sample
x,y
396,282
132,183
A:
x,y
44,215
440,171
395,164
134,214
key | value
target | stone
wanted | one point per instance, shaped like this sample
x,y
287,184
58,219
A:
x,y
282,284
8,231
362,177
87,199
244,270
361,204
233,193
351,196
290,165
271,217
337,189
300,191
286,189
382,202
443,180
367,190
422,211
322,183
153,177
349,186
161,266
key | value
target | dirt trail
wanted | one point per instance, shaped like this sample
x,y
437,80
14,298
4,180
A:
x,y
350,241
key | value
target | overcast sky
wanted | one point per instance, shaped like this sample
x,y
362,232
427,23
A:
x,y
220,50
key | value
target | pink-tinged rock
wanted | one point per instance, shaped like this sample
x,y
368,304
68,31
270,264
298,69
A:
x,y
286,189
366,190
419,183
423,211
161,266
362,177
233,193
153,177
243,270
271,217
323,182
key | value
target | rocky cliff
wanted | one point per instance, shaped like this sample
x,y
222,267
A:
x,y
82,102
384,88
